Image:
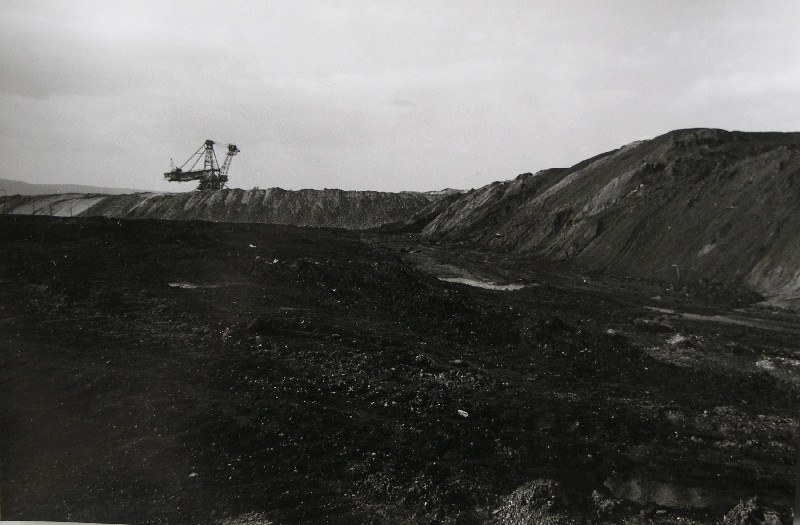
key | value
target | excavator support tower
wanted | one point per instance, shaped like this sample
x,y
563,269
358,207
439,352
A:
x,y
211,176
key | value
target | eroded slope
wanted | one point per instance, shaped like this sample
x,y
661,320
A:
x,y
689,205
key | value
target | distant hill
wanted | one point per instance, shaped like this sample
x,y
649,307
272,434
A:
x,y
14,187
695,205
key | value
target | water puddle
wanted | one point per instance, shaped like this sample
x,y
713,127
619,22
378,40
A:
x,y
482,284
188,286
714,318
191,286
660,310
723,319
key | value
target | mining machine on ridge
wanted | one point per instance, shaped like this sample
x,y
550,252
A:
x,y
211,176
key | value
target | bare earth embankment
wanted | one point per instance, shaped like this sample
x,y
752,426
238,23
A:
x,y
688,206
327,208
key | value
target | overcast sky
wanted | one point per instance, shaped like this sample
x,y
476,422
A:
x,y
383,95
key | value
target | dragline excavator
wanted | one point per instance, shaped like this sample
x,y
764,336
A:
x,y
211,176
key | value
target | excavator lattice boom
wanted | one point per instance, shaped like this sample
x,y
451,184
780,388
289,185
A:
x,y
211,176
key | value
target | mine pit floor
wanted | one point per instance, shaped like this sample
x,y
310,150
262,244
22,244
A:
x,y
331,384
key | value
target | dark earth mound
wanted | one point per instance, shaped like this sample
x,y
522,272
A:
x,y
194,372
691,205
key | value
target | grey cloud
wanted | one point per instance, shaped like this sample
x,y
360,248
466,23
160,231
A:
x,y
418,95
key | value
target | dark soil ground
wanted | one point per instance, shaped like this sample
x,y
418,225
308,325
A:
x,y
191,372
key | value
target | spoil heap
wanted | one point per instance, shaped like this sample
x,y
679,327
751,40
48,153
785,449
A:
x,y
690,206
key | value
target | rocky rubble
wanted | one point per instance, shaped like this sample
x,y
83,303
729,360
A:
x,y
321,376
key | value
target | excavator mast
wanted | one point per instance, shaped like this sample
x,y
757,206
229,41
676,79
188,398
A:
x,y
211,176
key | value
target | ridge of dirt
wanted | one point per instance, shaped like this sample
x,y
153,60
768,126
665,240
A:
x,y
356,210
689,206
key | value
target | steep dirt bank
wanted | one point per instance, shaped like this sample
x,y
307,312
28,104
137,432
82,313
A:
x,y
690,205
327,208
